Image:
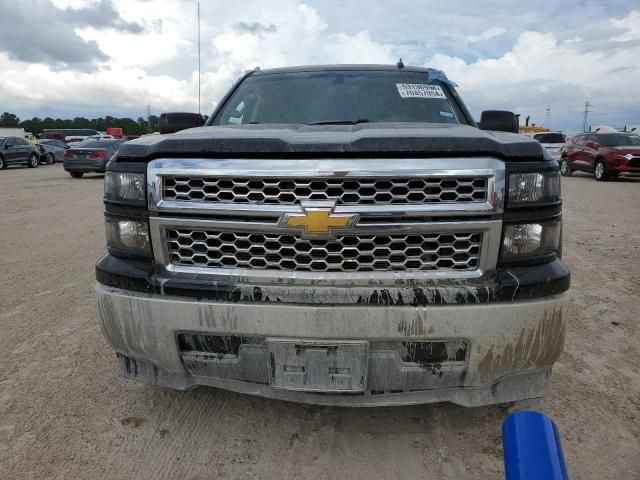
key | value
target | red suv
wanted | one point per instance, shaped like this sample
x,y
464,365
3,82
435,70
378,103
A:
x,y
603,154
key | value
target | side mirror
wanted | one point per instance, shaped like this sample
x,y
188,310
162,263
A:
x,y
174,122
7,145
498,120
67,147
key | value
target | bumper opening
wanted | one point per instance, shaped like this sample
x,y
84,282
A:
x,y
423,353
392,366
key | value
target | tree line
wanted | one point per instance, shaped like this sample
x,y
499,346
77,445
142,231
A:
x,y
36,125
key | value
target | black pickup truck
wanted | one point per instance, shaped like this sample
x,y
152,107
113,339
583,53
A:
x,y
342,235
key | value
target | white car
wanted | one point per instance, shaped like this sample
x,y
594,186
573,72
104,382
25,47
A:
x,y
552,142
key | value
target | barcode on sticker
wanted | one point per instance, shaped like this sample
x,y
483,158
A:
x,y
420,90
446,114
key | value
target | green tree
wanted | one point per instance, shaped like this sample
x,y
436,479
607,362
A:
x,y
9,120
36,125
154,123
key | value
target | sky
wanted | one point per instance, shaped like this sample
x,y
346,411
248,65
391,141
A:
x,y
72,58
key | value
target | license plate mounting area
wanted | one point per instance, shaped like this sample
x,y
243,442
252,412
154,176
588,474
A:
x,y
318,366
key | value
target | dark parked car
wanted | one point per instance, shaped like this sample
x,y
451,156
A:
x,y
51,150
90,156
17,150
603,154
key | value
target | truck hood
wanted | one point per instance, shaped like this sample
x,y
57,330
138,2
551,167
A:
x,y
373,139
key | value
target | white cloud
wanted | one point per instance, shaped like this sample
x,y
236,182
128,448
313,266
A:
x,y
124,83
300,39
486,35
549,64
540,70
630,23
71,3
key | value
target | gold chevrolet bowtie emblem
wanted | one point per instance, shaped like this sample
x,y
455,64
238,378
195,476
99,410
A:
x,y
319,221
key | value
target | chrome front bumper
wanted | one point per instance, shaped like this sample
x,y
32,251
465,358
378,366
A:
x,y
511,346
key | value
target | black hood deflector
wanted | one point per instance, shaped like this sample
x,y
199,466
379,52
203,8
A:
x,y
373,139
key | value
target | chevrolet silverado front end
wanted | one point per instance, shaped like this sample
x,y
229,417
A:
x,y
372,260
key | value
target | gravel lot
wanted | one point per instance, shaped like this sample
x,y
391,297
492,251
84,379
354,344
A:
x,y
64,413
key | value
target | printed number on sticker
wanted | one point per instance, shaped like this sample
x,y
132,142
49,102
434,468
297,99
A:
x,y
420,90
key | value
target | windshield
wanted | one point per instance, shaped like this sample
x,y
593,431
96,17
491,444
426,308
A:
x,y
550,138
346,97
619,140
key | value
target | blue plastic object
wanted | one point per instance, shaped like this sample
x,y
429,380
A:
x,y
532,448
435,74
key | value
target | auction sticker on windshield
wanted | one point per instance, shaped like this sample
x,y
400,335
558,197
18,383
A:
x,y
420,90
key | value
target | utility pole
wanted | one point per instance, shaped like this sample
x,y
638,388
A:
x,y
586,115
547,117
199,70
148,118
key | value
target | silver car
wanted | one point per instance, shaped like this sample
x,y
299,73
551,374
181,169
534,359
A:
x,y
51,150
552,142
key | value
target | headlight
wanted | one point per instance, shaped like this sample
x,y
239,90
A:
x,y
521,241
124,187
128,236
533,188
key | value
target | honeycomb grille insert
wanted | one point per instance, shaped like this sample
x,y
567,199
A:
x,y
363,253
344,191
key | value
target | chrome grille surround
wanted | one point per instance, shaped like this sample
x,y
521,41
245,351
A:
x,y
425,220
343,191
362,253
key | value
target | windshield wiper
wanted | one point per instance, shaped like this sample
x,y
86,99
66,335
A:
x,y
340,122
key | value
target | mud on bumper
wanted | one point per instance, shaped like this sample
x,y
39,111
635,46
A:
x,y
466,354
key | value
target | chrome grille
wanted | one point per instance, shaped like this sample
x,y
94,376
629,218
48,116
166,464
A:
x,y
361,253
344,191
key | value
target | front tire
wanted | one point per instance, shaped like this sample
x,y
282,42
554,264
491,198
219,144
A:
x,y
49,160
34,161
600,171
564,168
3,163
76,174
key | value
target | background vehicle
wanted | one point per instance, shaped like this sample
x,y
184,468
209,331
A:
x,y
90,156
552,141
52,135
603,154
14,150
101,136
12,132
115,132
51,150
72,135
602,129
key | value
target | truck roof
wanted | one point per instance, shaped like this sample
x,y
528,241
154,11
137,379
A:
x,y
339,67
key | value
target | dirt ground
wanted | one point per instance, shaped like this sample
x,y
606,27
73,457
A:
x,y
64,413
